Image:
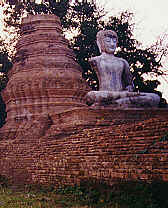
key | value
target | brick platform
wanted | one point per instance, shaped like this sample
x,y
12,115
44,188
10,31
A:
x,y
106,144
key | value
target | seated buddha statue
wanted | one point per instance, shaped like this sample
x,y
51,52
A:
x,y
115,79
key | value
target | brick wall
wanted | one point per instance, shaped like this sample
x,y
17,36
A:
x,y
89,143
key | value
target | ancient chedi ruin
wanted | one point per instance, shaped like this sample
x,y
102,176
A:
x,y
52,136
45,78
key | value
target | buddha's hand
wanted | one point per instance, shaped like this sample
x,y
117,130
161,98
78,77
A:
x,y
130,88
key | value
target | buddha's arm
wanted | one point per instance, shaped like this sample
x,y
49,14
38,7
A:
x,y
127,77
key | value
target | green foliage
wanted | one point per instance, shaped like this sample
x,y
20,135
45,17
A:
x,y
5,66
4,182
3,81
85,18
90,193
16,9
129,194
5,63
2,112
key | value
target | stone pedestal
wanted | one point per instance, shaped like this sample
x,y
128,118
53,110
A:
x,y
45,78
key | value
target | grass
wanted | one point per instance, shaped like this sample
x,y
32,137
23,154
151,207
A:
x,y
32,199
90,194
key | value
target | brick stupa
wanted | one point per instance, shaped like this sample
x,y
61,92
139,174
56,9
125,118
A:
x,y
45,78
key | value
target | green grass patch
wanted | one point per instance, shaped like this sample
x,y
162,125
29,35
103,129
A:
x,y
89,194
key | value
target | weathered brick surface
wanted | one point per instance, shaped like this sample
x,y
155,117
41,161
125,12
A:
x,y
99,147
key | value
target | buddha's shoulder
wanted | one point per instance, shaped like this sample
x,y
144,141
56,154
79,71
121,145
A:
x,y
124,61
95,58
94,61
98,59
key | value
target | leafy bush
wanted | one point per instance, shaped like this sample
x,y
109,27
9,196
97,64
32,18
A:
x,y
4,181
128,194
90,193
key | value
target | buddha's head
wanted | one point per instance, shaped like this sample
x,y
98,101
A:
x,y
107,41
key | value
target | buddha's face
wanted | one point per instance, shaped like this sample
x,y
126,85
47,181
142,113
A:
x,y
110,44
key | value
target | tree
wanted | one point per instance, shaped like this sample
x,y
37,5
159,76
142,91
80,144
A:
x,y
86,19
5,66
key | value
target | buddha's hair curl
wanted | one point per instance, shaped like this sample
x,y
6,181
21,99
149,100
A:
x,y
100,38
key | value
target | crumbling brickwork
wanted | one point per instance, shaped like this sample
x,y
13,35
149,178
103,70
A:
x,y
132,145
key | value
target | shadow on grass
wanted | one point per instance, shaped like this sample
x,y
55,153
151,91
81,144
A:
x,y
91,193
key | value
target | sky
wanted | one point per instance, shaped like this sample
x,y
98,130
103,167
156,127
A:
x,y
151,16
151,22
